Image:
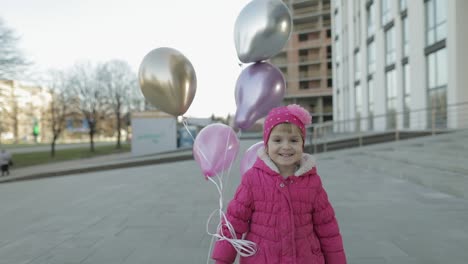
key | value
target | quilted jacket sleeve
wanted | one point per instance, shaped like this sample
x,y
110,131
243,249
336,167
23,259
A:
x,y
327,230
238,214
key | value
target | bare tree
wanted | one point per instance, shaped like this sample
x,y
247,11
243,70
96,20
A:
x,y
12,61
118,81
88,94
61,106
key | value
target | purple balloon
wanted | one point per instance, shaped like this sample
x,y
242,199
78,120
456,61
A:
x,y
250,156
215,148
259,88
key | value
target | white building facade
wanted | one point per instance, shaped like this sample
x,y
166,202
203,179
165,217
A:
x,y
400,64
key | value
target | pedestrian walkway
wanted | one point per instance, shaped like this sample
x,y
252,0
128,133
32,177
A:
x,y
402,202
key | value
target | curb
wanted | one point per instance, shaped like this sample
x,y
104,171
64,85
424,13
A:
x,y
100,168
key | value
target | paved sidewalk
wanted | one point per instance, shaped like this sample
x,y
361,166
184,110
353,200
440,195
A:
x,y
397,203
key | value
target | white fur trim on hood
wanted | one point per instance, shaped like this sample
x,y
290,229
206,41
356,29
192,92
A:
x,y
306,164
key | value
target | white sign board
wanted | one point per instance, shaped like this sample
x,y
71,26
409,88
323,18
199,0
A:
x,y
153,132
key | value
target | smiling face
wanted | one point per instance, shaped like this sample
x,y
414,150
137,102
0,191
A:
x,y
285,148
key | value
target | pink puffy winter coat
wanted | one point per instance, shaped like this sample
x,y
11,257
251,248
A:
x,y
290,220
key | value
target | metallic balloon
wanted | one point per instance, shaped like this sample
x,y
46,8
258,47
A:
x,y
259,88
167,80
261,30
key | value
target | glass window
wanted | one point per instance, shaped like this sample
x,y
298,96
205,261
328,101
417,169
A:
x,y
370,19
337,24
371,58
357,29
386,16
390,51
441,62
431,70
407,97
405,37
357,66
370,93
337,51
437,88
390,78
403,5
436,21
358,105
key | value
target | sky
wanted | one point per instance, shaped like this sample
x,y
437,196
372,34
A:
x,y
58,33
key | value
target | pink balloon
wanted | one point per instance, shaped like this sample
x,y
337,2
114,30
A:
x,y
259,88
250,156
215,148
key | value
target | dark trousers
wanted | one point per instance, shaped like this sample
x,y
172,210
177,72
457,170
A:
x,y
5,170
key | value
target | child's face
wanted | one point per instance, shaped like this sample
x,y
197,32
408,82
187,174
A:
x,y
285,147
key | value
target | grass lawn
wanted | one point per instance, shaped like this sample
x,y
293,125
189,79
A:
x,y
34,158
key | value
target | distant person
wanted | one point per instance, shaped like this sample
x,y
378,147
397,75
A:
x,y
281,204
5,162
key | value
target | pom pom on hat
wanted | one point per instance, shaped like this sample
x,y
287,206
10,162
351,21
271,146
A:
x,y
300,113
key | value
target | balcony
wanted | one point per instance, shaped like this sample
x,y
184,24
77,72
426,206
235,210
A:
x,y
279,61
309,60
310,76
307,27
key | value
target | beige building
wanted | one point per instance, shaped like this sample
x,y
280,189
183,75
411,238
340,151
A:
x,y
22,106
306,60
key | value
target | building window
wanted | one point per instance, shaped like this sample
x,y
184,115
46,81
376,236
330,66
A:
x,y
357,66
436,21
303,37
337,24
303,55
303,71
390,79
337,51
370,93
358,105
403,5
371,57
390,50
357,24
370,19
303,85
404,32
386,14
437,88
407,95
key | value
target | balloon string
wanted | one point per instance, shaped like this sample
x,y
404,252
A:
x,y
245,248
185,123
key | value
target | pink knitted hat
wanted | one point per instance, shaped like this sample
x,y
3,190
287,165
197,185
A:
x,y
292,113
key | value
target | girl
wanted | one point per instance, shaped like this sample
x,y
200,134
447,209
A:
x,y
281,204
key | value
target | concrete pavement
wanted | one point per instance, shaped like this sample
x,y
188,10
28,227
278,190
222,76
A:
x,y
402,202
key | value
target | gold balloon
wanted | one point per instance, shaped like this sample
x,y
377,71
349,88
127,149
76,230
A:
x,y
167,80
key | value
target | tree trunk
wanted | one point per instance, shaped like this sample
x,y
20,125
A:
x,y
119,125
52,148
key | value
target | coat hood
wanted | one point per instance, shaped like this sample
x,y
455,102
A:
x,y
306,166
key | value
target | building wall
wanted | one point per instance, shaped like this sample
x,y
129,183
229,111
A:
x,y
305,60
400,98
22,105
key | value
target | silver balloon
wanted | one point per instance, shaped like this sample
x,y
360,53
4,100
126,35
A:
x,y
167,80
262,29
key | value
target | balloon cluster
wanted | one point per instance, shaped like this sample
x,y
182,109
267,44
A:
x,y
261,31
168,81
